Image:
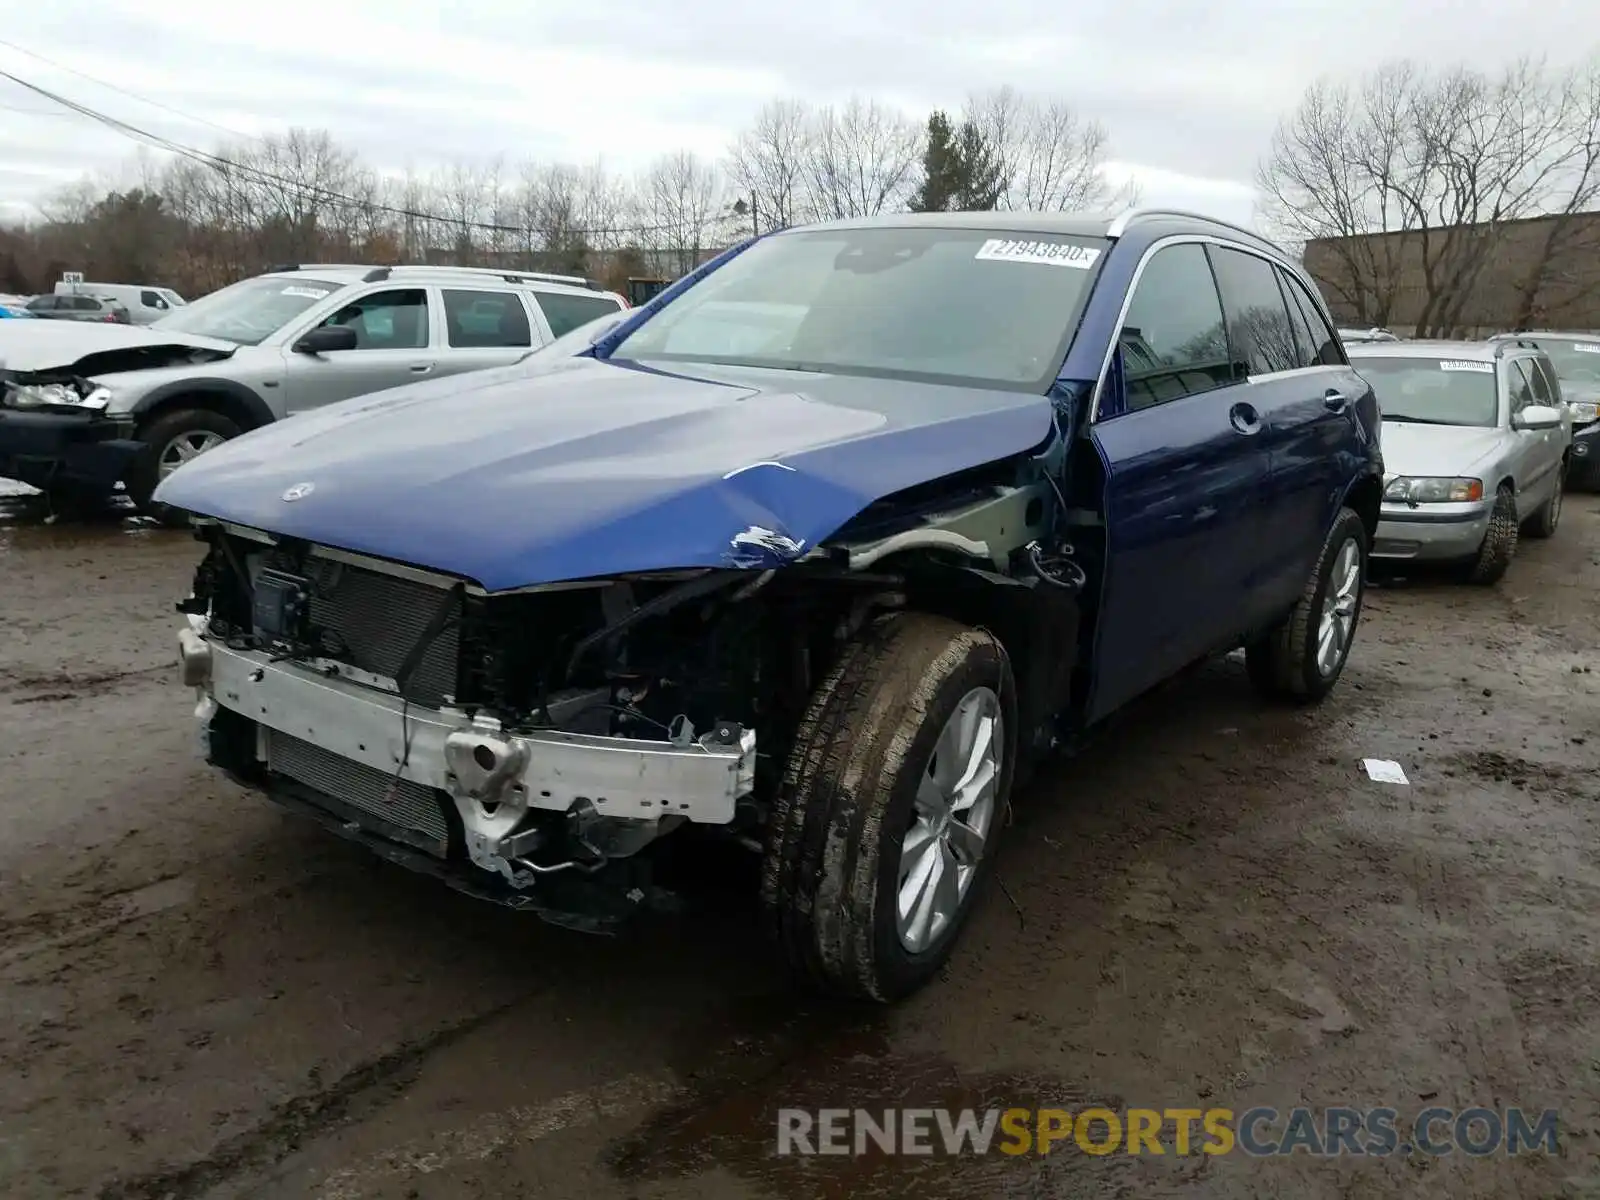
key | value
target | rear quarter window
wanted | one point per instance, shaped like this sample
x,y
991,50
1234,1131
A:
x,y
566,311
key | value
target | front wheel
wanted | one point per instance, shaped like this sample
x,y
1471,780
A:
x,y
1499,545
1303,657
896,787
170,440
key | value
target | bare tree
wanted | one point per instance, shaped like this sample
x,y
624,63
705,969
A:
x,y
862,160
1051,157
1439,167
682,203
769,160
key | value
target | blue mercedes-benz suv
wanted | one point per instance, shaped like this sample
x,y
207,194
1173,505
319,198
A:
x,y
821,549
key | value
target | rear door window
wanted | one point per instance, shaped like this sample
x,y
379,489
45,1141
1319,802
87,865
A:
x,y
565,311
1258,319
480,319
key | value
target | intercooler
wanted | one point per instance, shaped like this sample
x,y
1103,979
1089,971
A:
x,y
406,811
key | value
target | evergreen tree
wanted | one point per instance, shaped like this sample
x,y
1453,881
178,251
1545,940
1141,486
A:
x,y
961,171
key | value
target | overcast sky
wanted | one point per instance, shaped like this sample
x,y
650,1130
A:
x,y
1190,92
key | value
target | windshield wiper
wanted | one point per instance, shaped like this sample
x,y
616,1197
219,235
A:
x,y
1416,420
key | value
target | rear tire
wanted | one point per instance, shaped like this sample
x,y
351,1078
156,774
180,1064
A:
x,y
170,439
855,821
1294,662
1547,516
1499,544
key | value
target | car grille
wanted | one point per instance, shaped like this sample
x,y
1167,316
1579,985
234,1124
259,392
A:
x,y
379,619
413,812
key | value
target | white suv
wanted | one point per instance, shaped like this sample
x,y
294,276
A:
x,y
118,403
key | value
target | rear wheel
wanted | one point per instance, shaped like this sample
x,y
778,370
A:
x,y
896,786
172,439
1304,656
1499,544
1547,516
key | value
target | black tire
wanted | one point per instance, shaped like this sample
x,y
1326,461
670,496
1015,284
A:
x,y
1547,516
1499,544
1283,665
829,880
160,433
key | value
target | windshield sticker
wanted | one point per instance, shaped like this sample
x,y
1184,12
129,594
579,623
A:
x,y
1055,254
1455,364
305,293
1586,347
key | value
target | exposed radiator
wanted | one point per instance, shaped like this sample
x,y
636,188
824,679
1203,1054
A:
x,y
379,618
411,808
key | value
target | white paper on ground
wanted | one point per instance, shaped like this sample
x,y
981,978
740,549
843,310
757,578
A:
x,y
1384,771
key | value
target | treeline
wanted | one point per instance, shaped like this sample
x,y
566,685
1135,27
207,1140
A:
x,y
196,221
1453,165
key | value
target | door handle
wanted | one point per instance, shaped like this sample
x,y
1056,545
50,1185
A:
x,y
1244,418
1335,401
421,368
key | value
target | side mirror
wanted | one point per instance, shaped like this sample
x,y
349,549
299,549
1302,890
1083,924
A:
x,y
1537,416
326,338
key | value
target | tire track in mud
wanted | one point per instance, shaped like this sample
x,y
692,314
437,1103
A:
x,y
357,1093
1465,982
61,685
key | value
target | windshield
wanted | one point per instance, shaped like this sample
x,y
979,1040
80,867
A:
x,y
171,297
1575,362
1433,391
250,311
947,305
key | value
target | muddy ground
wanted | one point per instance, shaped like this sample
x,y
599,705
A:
x,y
1212,906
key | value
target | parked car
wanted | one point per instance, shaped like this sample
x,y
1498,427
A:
x,y
1357,337
1475,439
829,591
12,311
144,304
88,408
1576,358
79,308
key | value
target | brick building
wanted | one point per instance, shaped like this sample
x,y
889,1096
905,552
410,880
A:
x,y
1381,279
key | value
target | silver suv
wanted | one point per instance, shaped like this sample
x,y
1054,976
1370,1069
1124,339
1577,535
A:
x,y
83,407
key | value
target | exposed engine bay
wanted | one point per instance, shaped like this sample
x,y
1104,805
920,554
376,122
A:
x,y
569,726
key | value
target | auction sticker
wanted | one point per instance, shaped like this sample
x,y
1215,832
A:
x,y
305,293
1456,364
1586,347
1054,254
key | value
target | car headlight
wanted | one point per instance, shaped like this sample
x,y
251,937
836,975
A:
x,y
56,395
1408,489
1585,412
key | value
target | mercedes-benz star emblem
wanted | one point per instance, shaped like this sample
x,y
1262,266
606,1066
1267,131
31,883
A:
x,y
298,492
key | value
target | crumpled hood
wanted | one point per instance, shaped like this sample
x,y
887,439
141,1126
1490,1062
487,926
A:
x,y
586,468
1411,448
93,348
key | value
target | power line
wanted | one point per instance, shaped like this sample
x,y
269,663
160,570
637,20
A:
x,y
224,165
98,82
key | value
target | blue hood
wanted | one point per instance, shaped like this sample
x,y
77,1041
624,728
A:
x,y
590,468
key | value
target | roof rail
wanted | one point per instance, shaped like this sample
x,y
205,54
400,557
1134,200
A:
x,y
1503,343
1119,223
278,268
510,275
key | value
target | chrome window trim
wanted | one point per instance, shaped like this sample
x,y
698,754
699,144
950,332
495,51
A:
x,y
1180,239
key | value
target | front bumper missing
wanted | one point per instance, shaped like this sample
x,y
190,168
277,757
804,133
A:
x,y
45,447
496,779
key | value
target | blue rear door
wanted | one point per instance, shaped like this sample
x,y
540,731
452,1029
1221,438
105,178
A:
x,y
1307,395
1186,468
